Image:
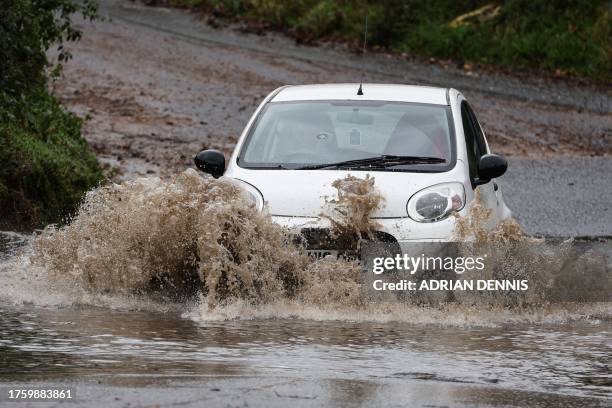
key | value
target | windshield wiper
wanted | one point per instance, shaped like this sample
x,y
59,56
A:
x,y
383,161
279,166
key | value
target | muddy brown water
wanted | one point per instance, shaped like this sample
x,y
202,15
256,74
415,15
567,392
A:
x,y
118,350
564,363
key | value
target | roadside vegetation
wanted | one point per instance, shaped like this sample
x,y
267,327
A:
x,y
46,164
564,37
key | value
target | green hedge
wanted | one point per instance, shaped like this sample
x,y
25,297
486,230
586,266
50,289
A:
x,y
570,36
46,165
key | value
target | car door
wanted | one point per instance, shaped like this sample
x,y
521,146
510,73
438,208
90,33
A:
x,y
476,146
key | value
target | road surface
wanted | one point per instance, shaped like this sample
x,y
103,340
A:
x,y
160,84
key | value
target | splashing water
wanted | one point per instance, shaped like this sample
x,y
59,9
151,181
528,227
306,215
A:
x,y
191,237
180,237
563,272
357,200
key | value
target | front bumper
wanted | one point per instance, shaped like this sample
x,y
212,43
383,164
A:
x,y
401,229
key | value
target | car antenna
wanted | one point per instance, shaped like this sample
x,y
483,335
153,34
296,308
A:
x,y
365,38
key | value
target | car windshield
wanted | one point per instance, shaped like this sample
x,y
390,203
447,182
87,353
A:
x,y
312,134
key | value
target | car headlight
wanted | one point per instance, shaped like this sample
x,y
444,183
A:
x,y
436,202
251,193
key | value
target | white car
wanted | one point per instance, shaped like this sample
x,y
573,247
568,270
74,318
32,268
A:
x,y
423,145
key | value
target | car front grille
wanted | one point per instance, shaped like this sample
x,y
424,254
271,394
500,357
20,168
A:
x,y
323,238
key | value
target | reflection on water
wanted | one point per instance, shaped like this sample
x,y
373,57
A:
x,y
69,343
327,362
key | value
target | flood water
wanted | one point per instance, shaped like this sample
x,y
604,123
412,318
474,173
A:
x,y
310,361
76,343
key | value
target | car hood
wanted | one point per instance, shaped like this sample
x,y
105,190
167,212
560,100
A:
x,y
304,193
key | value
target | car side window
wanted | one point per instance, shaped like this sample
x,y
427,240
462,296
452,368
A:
x,y
480,140
471,144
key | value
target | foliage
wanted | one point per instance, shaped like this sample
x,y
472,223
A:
x,y
46,164
571,36
28,28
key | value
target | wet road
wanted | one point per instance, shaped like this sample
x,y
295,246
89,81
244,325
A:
x,y
160,84
560,196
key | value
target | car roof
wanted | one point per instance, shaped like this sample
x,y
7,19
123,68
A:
x,y
371,92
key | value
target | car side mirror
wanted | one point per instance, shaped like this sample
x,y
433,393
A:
x,y
211,162
490,166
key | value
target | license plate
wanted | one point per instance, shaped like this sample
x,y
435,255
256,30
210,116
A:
x,y
322,253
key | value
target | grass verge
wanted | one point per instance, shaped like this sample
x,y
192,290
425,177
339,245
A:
x,y
563,37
